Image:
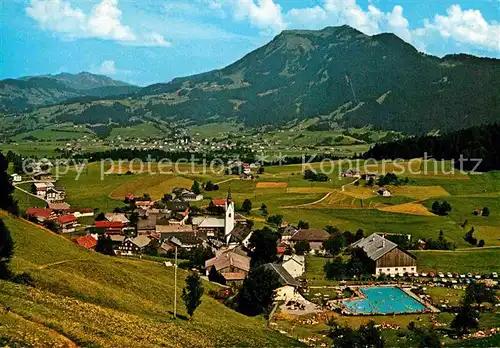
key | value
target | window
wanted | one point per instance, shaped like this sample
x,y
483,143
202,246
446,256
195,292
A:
x,y
396,269
388,270
404,268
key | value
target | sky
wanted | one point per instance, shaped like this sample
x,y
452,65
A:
x,y
150,41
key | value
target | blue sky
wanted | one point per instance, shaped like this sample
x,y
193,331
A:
x,y
148,41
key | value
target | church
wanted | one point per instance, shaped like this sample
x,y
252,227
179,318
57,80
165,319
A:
x,y
220,227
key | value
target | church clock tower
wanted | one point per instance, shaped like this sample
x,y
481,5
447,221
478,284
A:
x,y
229,218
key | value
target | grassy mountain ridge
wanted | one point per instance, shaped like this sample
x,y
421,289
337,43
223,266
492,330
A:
x,y
95,300
35,91
342,76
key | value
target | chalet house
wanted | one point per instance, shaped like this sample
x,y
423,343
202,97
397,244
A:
x,y
351,174
16,177
136,245
294,264
177,206
144,204
382,191
315,238
40,214
387,258
232,266
87,242
281,247
42,187
240,235
287,232
83,212
55,194
185,194
212,226
109,227
66,223
59,208
289,285
186,241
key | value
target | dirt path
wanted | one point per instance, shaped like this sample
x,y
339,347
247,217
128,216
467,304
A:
x,y
27,192
59,263
308,204
224,181
319,200
351,183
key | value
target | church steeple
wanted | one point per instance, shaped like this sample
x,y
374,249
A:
x,y
229,198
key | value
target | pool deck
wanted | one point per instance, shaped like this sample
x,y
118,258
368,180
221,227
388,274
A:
x,y
360,295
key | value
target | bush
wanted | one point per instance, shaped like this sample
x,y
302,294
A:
x,y
24,279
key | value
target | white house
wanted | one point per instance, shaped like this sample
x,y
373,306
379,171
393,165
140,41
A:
x,y
16,177
294,264
289,285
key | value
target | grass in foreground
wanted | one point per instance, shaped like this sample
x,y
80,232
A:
x,y
95,300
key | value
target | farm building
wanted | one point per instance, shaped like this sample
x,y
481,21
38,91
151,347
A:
x,y
315,238
232,266
386,256
288,288
66,223
294,264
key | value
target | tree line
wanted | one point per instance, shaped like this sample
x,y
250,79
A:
x,y
480,142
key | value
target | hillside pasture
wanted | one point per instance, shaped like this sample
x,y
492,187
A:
x,y
155,185
113,301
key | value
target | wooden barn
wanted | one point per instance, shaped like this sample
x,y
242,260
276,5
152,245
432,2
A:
x,y
387,257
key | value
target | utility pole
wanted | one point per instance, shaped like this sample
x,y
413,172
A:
x,y
175,284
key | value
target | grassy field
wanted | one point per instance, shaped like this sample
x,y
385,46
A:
x,y
112,301
478,260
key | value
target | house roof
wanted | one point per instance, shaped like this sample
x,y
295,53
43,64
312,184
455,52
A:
x,y
113,217
59,206
240,232
219,202
234,275
288,230
375,246
117,238
300,259
173,228
284,277
64,219
144,203
212,222
87,241
186,239
311,235
229,259
149,223
40,185
39,212
108,224
141,241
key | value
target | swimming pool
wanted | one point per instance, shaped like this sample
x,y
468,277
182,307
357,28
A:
x,y
383,300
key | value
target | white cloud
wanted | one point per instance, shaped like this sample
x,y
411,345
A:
x,y
464,27
108,68
103,22
460,27
266,15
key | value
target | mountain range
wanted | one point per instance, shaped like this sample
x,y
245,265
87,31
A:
x,y
35,91
338,75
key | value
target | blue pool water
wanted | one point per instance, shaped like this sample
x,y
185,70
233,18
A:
x,y
383,300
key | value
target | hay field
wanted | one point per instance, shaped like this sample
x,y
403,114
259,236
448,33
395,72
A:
x,y
408,208
270,184
418,192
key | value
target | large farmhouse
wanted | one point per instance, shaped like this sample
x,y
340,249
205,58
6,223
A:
x,y
386,256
